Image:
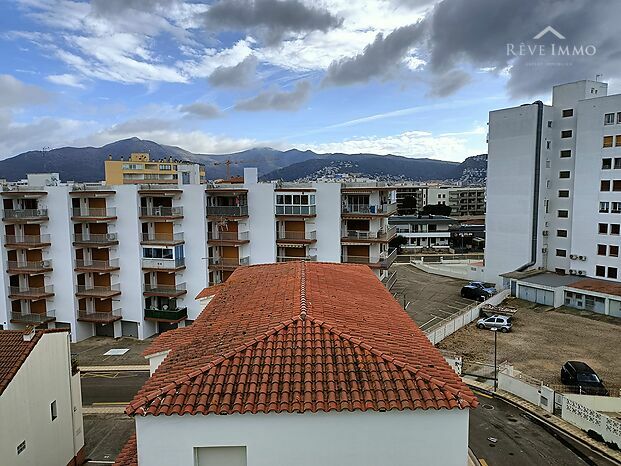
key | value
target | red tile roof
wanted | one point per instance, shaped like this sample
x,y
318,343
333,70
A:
x,y
597,285
165,341
209,291
129,453
298,337
14,351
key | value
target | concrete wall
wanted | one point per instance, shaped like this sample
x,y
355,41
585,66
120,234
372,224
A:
x,y
515,382
330,439
586,412
328,221
261,223
463,269
45,376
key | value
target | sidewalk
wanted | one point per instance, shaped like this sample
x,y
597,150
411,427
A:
x,y
550,419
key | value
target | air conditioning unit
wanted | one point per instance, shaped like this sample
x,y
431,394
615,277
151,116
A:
x,y
581,272
544,232
573,256
573,272
582,258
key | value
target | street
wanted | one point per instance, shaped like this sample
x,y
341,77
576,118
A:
x,y
111,387
503,435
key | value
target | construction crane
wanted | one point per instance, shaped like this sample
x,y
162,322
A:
x,y
229,162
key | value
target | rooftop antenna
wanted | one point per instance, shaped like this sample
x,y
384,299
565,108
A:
x,y
597,76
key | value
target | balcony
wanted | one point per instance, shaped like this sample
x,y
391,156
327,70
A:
x,y
161,212
90,265
33,319
295,258
27,241
166,315
29,266
93,214
170,291
94,291
383,261
104,239
163,264
362,235
23,191
369,209
99,317
228,263
227,211
237,237
29,292
296,210
162,238
25,215
296,237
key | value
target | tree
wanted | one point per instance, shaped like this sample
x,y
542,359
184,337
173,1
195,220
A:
x,y
397,242
437,209
408,206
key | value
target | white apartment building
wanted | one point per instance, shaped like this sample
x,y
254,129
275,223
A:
x,y
554,195
129,259
424,231
463,200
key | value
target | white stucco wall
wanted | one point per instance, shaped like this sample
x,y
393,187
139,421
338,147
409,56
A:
x,y
328,221
45,376
261,223
329,439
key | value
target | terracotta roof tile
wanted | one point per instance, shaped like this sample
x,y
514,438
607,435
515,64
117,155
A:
x,y
209,291
597,285
129,453
300,337
14,351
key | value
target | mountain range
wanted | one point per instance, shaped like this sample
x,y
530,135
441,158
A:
x,y
87,163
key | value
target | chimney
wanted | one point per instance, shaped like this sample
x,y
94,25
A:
x,y
29,333
109,156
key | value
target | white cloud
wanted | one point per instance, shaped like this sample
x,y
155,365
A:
x,y
14,93
70,80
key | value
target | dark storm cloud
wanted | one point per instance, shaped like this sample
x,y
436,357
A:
x,y
277,100
239,75
274,18
201,110
449,83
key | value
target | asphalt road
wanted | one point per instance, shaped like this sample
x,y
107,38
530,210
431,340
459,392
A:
x,y
521,439
111,387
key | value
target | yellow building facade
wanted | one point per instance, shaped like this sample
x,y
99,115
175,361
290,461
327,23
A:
x,y
140,169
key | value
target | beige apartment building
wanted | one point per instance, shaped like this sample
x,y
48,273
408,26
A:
x,y
140,169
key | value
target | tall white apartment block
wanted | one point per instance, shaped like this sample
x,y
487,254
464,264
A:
x,y
129,259
554,185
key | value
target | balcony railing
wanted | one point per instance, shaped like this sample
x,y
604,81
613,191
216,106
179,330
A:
x,y
229,261
104,238
98,291
94,212
370,209
27,240
162,238
34,318
25,214
383,260
165,290
228,211
161,211
365,235
173,315
30,292
228,235
29,266
100,317
296,210
97,265
297,235
294,258
165,264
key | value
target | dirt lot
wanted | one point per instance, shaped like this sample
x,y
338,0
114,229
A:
x,y
542,340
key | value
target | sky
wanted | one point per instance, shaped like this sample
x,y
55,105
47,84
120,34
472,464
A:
x,y
406,77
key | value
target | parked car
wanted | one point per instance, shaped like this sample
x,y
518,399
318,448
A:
x,y
580,375
498,322
477,291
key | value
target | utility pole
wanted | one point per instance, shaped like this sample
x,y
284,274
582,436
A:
x,y
495,330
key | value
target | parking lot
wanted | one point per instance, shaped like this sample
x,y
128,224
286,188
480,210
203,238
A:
x,y
429,298
543,339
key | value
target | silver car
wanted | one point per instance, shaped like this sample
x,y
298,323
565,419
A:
x,y
502,323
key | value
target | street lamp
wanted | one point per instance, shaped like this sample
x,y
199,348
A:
x,y
495,330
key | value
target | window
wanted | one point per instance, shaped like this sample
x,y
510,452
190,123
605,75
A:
x,y
617,163
618,117
561,233
609,119
564,174
566,133
565,153
166,167
615,208
549,123
563,193
618,140
561,253
21,447
616,185
548,144
604,185
600,271
559,271
606,164
601,249
607,141
563,213
615,228
613,251
53,410
612,272
602,229
604,207
548,164
568,112
221,456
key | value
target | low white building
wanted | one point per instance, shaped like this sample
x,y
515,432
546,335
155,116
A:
x,y
40,400
424,231
290,364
